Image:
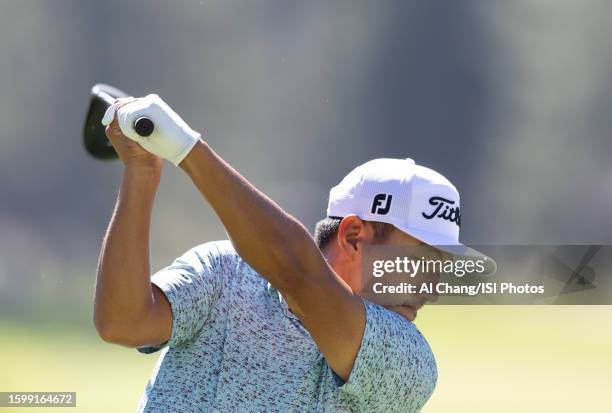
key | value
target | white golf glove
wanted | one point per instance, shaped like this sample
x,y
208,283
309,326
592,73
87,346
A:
x,y
172,138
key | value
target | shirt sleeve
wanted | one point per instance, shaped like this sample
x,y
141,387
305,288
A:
x,y
193,283
395,369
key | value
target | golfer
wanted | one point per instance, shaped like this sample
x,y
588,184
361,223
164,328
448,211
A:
x,y
271,320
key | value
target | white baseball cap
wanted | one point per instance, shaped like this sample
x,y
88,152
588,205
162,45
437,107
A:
x,y
416,200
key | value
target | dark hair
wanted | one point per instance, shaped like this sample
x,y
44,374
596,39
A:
x,y
327,229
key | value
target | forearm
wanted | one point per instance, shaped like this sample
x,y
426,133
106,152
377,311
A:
x,y
270,240
123,287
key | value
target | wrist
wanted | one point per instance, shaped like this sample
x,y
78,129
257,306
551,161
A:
x,y
142,173
190,160
149,165
184,149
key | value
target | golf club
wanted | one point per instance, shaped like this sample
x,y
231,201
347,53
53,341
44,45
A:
x,y
94,136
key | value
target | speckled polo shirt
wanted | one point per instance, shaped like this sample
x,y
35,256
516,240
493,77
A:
x,y
236,347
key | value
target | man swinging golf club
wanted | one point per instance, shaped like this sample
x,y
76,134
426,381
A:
x,y
272,320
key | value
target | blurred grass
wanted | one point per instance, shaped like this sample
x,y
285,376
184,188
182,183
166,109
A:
x,y
500,359
37,357
520,358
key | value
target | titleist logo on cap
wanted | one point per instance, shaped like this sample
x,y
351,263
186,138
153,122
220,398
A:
x,y
444,210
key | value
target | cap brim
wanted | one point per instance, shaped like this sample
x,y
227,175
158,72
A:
x,y
456,249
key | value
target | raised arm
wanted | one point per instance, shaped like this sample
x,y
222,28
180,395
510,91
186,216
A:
x,y
273,242
128,309
278,247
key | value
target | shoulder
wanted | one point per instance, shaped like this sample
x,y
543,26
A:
x,y
390,327
205,266
220,257
219,254
401,340
220,248
394,364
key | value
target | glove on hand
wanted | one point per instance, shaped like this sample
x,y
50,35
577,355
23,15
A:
x,y
172,138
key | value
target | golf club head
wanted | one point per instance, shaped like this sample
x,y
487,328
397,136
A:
x,y
96,142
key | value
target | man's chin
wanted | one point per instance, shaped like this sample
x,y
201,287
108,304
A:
x,y
405,311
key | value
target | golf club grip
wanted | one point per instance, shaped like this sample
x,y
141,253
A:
x,y
144,126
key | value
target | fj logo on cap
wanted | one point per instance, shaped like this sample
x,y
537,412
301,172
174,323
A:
x,y
382,204
444,210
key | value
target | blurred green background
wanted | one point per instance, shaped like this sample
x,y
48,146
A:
x,y
509,99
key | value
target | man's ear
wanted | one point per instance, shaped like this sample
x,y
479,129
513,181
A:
x,y
350,234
